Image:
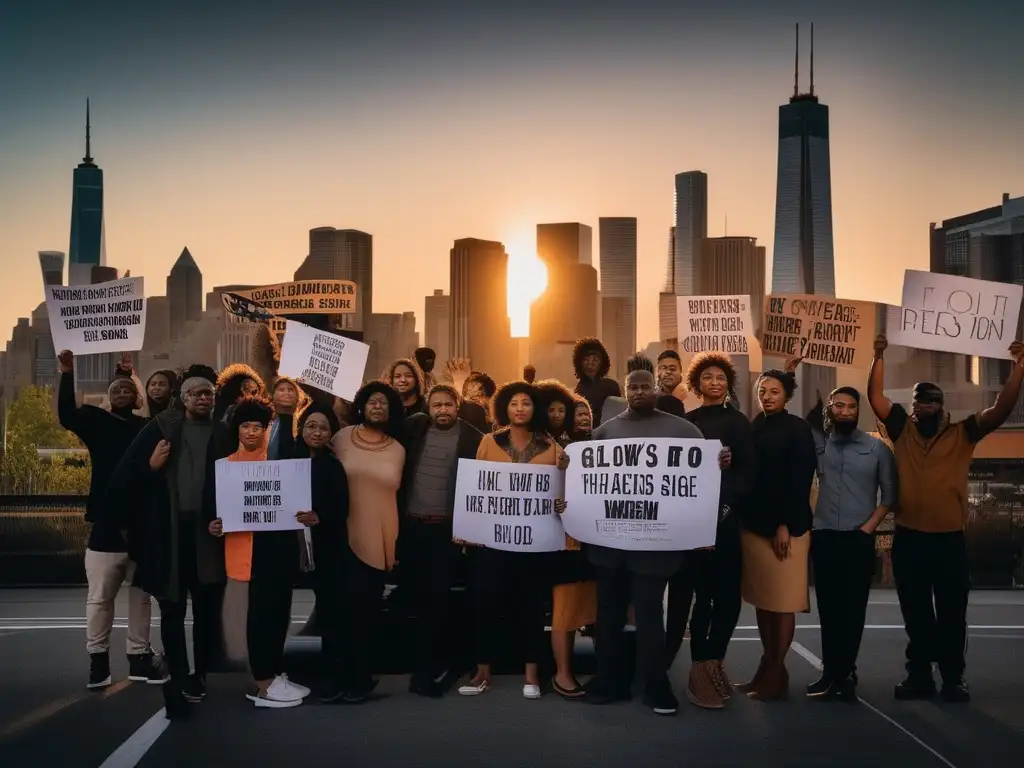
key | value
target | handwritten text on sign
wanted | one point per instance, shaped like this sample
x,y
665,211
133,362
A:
x,y
714,324
947,313
835,333
659,494
509,506
324,360
303,297
93,319
262,495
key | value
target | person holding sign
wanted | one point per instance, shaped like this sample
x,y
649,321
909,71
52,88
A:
x,y
640,576
499,578
373,459
775,533
434,444
929,551
268,561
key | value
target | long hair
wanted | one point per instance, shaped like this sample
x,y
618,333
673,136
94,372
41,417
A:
x,y
555,391
503,398
396,411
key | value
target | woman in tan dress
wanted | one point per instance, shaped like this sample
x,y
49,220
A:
x,y
775,534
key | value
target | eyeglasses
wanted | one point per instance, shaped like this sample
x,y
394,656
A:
x,y
200,394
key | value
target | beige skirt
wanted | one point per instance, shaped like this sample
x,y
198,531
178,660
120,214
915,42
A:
x,y
771,584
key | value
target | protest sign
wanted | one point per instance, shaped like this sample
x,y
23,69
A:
x,y
657,494
947,313
323,359
835,333
714,324
93,319
509,506
262,495
305,297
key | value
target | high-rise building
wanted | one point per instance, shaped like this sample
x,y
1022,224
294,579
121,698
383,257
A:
x,y
691,204
52,265
667,320
618,289
391,336
158,322
803,260
437,325
184,293
343,254
480,327
88,248
568,308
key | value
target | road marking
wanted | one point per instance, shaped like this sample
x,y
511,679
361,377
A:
x,y
45,712
139,743
815,662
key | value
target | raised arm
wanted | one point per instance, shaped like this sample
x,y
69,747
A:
x,y
880,404
993,417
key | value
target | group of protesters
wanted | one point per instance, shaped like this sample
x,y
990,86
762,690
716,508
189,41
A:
x,y
383,481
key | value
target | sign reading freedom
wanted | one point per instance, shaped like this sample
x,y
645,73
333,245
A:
x,y
305,297
834,333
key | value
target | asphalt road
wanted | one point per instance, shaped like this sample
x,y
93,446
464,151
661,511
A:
x,y
48,718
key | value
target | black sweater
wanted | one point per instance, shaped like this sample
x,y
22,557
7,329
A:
x,y
595,392
786,462
107,436
721,422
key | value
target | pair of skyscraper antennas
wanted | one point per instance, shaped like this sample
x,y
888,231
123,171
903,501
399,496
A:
x,y
796,63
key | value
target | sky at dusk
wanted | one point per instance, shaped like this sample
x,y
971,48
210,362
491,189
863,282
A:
x,y
233,129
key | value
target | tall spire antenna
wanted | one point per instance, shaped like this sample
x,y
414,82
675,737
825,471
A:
x,y
796,64
88,135
812,58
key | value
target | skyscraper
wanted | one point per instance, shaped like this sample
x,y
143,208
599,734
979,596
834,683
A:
x,y
803,261
480,327
88,248
184,293
437,324
52,265
343,254
618,289
691,228
568,307
667,315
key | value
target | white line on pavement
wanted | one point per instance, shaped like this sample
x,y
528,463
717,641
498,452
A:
x,y
135,747
815,662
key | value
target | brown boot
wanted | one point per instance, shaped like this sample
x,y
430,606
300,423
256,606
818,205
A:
x,y
722,683
750,685
774,686
702,691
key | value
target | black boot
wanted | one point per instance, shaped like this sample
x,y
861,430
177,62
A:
x,y
918,684
956,690
99,670
176,706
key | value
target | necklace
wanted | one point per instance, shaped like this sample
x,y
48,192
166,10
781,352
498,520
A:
x,y
360,441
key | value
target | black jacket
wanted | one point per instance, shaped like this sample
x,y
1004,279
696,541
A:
x,y
415,434
731,427
152,498
107,436
786,462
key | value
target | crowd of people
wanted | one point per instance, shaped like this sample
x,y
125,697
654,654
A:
x,y
383,479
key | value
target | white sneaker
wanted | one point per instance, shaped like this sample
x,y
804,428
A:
x,y
531,692
265,702
301,690
282,690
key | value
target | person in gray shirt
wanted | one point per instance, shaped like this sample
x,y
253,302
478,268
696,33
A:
x,y
640,578
856,488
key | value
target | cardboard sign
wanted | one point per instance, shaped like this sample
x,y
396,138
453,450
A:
x,y
94,319
305,297
715,324
835,333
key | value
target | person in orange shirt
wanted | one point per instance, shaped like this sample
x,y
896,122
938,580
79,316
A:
x,y
269,562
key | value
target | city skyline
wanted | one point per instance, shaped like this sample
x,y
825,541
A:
x,y
208,187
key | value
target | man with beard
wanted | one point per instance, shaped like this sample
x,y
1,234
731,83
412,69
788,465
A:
x,y
929,552
635,576
434,445
670,376
856,489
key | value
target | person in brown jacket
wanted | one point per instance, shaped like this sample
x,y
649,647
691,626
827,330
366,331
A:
x,y
929,551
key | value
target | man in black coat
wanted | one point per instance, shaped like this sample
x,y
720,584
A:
x,y
434,444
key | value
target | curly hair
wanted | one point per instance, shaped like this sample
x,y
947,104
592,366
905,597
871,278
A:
x,y
396,411
554,391
787,380
590,345
485,382
579,402
701,362
252,408
229,387
503,398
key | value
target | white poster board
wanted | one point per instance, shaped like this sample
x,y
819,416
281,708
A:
x,y
262,495
97,319
658,494
324,360
509,506
715,324
948,313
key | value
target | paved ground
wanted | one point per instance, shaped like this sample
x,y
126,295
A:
x,y
47,718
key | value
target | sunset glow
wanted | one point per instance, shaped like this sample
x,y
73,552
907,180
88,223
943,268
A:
x,y
527,279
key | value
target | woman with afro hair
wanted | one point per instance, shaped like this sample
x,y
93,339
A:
x,y
373,459
512,580
713,575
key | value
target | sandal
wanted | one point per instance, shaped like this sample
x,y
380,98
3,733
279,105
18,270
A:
x,y
474,690
576,692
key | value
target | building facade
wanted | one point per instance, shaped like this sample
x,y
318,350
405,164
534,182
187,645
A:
x,y
184,293
691,227
87,249
343,254
617,238
568,308
437,325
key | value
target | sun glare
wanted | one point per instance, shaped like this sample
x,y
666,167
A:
x,y
527,279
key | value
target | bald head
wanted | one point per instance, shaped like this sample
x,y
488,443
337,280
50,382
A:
x,y
641,391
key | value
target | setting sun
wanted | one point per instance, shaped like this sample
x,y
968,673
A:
x,y
527,279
